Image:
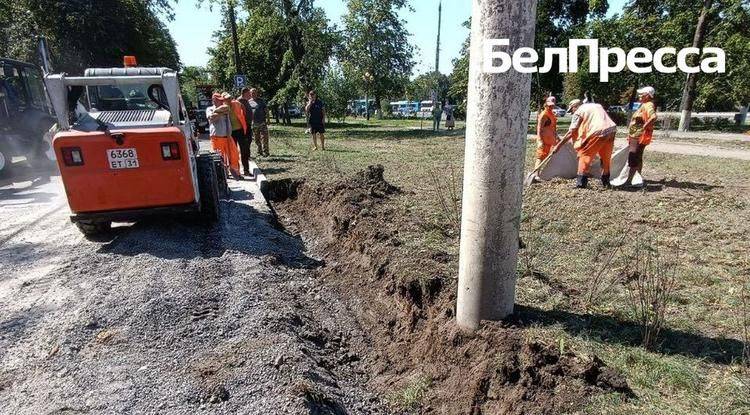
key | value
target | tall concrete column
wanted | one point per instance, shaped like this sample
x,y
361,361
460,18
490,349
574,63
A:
x,y
497,120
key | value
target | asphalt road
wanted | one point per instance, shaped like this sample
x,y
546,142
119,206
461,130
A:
x,y
167,316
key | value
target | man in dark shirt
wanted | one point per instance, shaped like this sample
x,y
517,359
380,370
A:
x,y
316,119
260,122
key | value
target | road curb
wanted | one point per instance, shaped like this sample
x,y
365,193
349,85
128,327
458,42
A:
x,y
260,178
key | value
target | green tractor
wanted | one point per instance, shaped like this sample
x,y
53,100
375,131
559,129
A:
x,y
25,118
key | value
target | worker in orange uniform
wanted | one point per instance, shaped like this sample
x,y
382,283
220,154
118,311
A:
x,y
239,130
593,133
546,131
220,131
641,131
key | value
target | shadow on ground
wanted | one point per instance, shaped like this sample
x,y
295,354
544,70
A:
x,y
613,330
241,229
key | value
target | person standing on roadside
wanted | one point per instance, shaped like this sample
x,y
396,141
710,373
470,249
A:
x,y
641,131
239,130
546,131
244,99
450,120
220,131
437,114
259,122
316,113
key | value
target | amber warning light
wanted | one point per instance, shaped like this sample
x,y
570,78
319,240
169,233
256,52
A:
x,y
129,61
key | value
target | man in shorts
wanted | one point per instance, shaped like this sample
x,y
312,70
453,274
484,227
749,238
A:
x,y
316,114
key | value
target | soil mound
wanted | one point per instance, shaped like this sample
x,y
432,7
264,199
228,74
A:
x,y
404,295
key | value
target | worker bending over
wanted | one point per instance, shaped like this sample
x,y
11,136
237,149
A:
x,y
546,131
641,131
220,131
593,133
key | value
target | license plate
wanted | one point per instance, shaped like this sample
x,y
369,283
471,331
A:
x,y
122,158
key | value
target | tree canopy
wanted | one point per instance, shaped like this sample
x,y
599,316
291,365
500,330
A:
x,y
377,44
652,24
83,33
284,48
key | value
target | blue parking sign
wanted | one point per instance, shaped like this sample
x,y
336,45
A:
x,y
240,81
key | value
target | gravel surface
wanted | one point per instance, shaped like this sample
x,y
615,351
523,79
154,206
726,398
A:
x,y
168,317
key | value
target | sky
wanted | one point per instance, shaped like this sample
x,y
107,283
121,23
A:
x,y
193,29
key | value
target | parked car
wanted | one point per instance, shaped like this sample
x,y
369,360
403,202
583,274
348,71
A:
x,y
295,112
560,112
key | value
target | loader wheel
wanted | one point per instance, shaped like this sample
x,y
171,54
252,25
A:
x,y
208,188
221,176
5,161
89,228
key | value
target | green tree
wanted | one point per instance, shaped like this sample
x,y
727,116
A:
x,y
336,90
647,23
378,45
190,78
85,34
284,47
422,86
459,78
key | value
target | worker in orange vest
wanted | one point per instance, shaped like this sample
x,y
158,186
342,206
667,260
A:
x,y
546,131
593,133
220,128
239,130
641,131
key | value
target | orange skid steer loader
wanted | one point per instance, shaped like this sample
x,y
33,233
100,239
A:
x,y
125,148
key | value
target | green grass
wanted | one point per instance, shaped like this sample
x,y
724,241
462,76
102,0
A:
x,y
701,203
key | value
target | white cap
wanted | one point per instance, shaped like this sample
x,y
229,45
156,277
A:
x,y
574,103
647,90
551,101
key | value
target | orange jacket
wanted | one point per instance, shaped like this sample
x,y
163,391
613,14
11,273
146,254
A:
x,y
546,127
594,121
239,112
642,115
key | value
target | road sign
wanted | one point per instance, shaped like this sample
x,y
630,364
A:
x,y
240,81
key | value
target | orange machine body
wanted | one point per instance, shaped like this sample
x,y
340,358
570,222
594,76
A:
x,y
95,186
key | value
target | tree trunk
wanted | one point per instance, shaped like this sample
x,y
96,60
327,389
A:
x,y
743,114
275,111
688,92
235,42
287,117
494,161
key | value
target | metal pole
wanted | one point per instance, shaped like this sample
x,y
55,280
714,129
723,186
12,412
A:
x,y
497,119
235,41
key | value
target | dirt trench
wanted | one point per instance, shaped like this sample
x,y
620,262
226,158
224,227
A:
x,y
168,317
404,299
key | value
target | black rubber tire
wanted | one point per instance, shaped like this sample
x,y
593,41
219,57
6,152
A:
x,y
221,176
208,188
6,160
94,228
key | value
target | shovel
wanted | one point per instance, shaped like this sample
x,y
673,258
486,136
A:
x,y
530,178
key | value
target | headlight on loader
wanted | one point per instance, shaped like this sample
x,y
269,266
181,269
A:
x,y
72,156
170,151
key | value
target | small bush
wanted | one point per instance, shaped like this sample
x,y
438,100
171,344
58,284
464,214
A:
x,y
651,281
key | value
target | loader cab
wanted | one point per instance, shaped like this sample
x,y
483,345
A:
x,y
125,148
21,88
25,118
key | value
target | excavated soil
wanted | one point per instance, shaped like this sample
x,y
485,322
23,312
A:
x,y
404,298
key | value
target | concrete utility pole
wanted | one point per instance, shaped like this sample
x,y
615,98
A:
x,y
437,49
497,119
235,42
